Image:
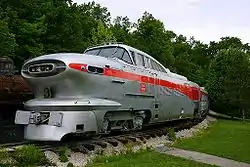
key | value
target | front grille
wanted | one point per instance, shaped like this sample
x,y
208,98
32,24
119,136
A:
x,y
44,68
39,118
38,68
96,70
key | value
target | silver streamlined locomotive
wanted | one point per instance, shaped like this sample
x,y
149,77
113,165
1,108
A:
x,y
109,87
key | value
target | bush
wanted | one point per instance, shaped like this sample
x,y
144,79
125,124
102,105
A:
x,y
29,155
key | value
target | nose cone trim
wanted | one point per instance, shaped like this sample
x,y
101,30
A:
x,y
43,68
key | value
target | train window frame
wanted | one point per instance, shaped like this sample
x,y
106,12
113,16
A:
x,y
147,61
105,49
160,67
137,61
153,64
143,64
132,53
93,49
115,50
131,62
156,66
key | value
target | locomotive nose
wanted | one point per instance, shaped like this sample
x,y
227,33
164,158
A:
x,y
51,65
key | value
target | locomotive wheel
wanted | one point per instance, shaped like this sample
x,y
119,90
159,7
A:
x,y
138,122
106,125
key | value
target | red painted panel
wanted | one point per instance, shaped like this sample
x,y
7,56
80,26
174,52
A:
x,y
143,87
79,67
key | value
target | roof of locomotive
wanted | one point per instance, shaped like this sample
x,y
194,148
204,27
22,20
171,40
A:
x,y
174,75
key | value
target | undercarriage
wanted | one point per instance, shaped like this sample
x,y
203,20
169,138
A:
x,y
123,121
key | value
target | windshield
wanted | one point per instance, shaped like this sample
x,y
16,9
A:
x,y
111,52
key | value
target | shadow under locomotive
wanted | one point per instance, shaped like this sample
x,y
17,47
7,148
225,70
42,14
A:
x,y
13,92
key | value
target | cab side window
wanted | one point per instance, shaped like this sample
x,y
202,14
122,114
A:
x,y
106,52
118,53
139,59
126,57
93,52
133,56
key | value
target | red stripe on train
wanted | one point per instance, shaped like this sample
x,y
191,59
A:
x,y
80,67
192,92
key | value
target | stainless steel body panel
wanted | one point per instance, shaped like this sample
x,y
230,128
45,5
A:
x,y
70,104
90,90
52,131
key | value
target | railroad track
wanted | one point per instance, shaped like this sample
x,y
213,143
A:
x,y
85,145
11,134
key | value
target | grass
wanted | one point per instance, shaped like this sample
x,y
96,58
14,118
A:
x,y
145,158
28,155
226,138
63,154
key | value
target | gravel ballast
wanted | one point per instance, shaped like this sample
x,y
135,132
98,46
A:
x,y
81,159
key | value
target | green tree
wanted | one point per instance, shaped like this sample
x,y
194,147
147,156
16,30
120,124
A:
x,y
31,28
7,40
229,81
152,38
121,29
102,34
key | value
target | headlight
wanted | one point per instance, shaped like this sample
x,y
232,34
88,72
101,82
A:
x,y
41,68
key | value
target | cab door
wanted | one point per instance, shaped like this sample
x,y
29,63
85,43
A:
x,y
156,106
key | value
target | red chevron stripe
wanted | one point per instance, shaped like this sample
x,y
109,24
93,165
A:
x,y
193,93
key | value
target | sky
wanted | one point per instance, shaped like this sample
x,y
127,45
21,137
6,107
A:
x,y
206,20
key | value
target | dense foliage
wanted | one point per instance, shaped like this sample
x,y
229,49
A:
x,y
30,28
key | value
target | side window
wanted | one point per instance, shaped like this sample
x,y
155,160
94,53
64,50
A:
x,y
140,59
160,68
154,65
118,53
147,62
133,56
106,52
126,57
93,52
